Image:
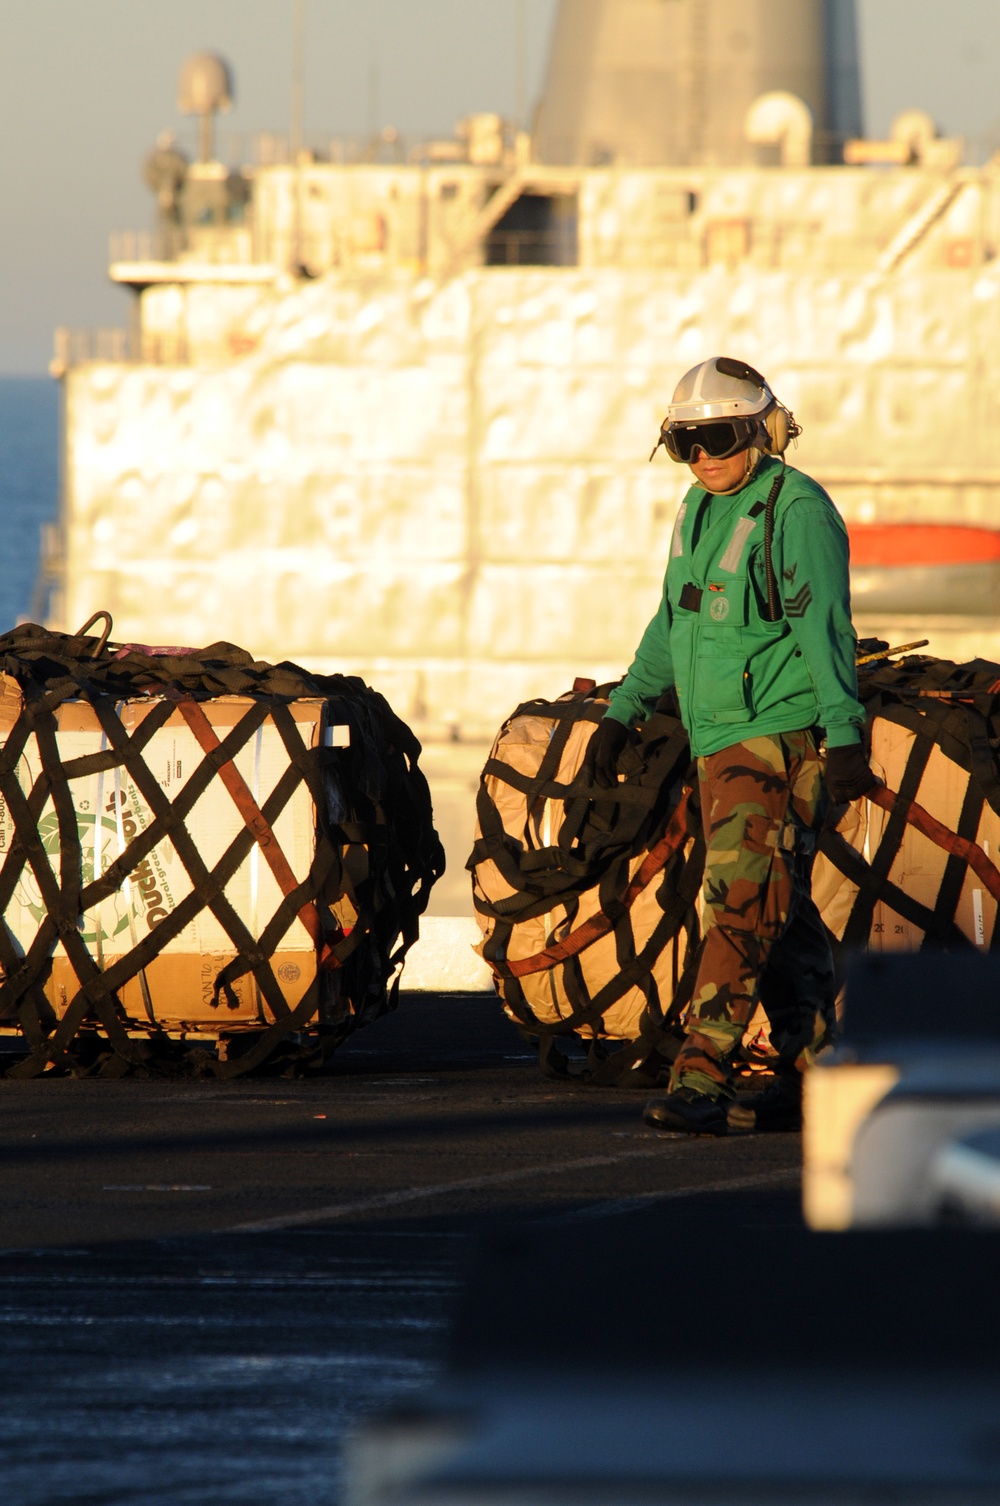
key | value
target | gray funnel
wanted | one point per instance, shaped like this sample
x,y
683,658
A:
x,y
643,83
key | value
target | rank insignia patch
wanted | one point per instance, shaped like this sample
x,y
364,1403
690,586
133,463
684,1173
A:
x,y
799,604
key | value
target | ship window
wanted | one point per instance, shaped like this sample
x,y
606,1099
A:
x,y
449,190
538,230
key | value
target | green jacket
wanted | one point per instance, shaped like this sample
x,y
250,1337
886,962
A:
x,y
738,675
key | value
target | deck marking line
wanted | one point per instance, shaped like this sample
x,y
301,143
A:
x,y
415,1194
468,1184
157,1187
618,1206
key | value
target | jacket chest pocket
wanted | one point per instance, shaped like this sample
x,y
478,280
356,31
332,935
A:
x,y
722,683
757,586
720,661
723,606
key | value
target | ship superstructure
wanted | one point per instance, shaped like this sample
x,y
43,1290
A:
x,y
393,416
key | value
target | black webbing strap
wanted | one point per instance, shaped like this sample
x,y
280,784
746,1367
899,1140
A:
x,y
859,926
853,866
595,844
657,1025
955,708
955,868
599,825
387,821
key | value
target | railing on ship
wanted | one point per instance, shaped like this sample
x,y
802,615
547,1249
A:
x,y
74,347
206,245
141,245
77,347
50,575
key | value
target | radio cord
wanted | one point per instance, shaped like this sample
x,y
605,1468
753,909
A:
x,y
773,602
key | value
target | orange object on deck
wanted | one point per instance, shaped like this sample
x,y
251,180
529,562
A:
x,y
922,544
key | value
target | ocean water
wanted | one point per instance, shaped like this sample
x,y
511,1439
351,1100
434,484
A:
x,y
29,487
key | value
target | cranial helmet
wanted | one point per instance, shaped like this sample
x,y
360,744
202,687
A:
x,y
719,388
733,396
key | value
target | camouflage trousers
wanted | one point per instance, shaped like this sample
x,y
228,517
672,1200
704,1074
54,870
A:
x,y
763,937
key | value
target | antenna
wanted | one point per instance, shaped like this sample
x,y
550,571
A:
x,y
520,62
204,86
373,100
297,125
297,131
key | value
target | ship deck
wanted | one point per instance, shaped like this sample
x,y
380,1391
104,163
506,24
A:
x,y
203,1285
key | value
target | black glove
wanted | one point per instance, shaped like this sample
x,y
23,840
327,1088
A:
x,y
870,648
848,773
600,762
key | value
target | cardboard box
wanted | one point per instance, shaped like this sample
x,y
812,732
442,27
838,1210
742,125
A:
x,y
919,864
179,983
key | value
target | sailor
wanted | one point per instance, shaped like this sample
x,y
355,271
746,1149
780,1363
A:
x,y
754,634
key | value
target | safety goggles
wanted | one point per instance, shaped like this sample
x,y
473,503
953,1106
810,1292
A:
x,y
718,439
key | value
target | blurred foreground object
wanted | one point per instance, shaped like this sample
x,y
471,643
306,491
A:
x,y
207,861
875,1375
916,1072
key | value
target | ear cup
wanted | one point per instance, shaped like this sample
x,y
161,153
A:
x,y
779,429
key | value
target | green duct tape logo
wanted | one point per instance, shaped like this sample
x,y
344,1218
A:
x,y
114,911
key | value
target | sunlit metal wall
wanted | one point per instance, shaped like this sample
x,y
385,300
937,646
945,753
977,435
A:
x,y
444,486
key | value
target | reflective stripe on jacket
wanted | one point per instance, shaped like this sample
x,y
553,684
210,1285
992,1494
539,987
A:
x,y
737,674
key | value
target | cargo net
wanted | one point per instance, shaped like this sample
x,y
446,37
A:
x,y
588,899
209,863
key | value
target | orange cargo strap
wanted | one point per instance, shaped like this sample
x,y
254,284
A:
x,y
256,822
600,924
937,832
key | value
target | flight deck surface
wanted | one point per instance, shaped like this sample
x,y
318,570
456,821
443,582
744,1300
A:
x,y
202,1285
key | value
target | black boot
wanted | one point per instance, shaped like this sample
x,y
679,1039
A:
x,y
689,1111
778,1108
